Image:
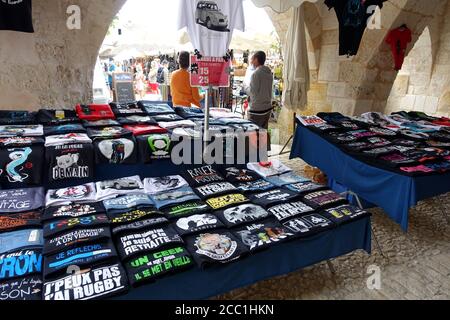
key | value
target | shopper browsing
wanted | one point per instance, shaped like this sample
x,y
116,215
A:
x,y
182,92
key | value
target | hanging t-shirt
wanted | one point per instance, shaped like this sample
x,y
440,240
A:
x,y
210,24
242,214
21,263
16,16
353,16
22,289
197,223
17,221
161,184
113,188
399,39
77,194
116,151
21,200
21,166
74,210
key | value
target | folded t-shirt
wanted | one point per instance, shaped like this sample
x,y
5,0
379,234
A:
x,y
100,123
17,117
94,112
116,151
22,289
197,223
214,189
68,138
173,197
257,186
19,221
32,130
12,142
74,210
53,228
108,133
64,129
21,200
188,113
113,188
167,117
56,117
128,202
161,184
77,194
242,214
345,214
145,224
285,178
186,209
154,147
273,197
12,264
228,200
289,210
201,176
176,124
153,109
21,239
144,129
136,120
126,109
323,198
236,175
120,218
308,225
307,186
267,169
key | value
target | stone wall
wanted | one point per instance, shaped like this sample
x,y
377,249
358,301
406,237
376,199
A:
x,y
54,66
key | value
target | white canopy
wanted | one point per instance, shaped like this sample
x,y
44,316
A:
x,y
280,5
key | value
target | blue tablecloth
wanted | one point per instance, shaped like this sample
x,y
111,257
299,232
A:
x,y
395,193
278,260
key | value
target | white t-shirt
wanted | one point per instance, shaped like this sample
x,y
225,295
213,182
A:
x,y
273,168
210,24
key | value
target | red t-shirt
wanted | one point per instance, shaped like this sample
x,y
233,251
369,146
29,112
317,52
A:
x,y
398,39
141,129
94,112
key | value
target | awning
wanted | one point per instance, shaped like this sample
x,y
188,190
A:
x,y
280,5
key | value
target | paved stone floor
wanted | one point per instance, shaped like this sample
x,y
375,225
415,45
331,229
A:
x,y
417,263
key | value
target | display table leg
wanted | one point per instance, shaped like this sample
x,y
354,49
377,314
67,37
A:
x,y
331,267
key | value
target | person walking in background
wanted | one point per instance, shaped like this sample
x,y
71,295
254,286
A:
x,y
140,83
182,92
152,77
111,70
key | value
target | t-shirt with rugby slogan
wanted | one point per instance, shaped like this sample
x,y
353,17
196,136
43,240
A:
x,y
160,184
113,188
186,209
120,218
21,167
201,176
226,201
151,266
16,16
324,198
21,200
70,161
307,186
236,175
214,189
155,147
139,225
345,214
126,203
116,151
54,228
308,225
273,197
242,214
22,289
85,193
289,210
20,239
197,223
261,235
102,282
135,243
88,255
75,238
257,186
215,247
20,263
17,221
173,197
74,210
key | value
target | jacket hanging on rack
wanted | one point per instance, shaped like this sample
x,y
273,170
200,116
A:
x,y
15,15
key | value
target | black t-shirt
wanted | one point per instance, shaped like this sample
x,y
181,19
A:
x,y
236,175
71,161
307,186
139,225
258,236
21,167
154,147
352,16
214,189
257,186
16,117
225,201
20,263
18,221
132,216
345,214
108,133
273,197
22,289
126,109
116,151
188,113
289,210
197,223
64,129
239,215
21,200
54,228
16,16
308,225
57,117
215,247
201,176
74,210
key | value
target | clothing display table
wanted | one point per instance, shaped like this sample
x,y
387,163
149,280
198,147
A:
x,y
393,192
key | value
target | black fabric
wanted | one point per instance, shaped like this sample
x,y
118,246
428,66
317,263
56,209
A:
x,y
237,175
126,203
22,289
18,221
339,120
136,243
396,159
197,223
167,117
264,234
308,225
153,109
76,238
116,151
214,189
132,216
324,198
257,186
89,255
54,228
108,133
139,225
188,113
71,161
21,167
100,123
20,263
155,265
273,197
74,210
154,147
216,247
91,284
345,214
16,117
56,117
352,17
186,209
289,210
243,214
16,16
226,201
307,186
21,200
64,129
132,120
201,176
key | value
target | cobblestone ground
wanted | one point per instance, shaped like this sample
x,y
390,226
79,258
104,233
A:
x,y
416,264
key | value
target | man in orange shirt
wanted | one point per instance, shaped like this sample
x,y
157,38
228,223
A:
x,y
180,86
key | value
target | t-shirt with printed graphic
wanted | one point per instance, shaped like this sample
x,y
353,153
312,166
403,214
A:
x,y
157,264
186,209
16,16
21,166
95,283
15,117
210,24
126,109
85,193
73,210
31,130
166,117
64,129
68,138
257,186
189,113
21,200
267,169
22,289
129,202
215,247
176,124
228,200
242,214
214,189
16,142
307,186
308,225
100,123
120,218
323,198
201,176
345,214
155,109
21,239
273,197
113,188
197,223
155,147
289,210
173,197
258,236
18,221
94,112
70,161
20,263
53,228
150,223
57,117
161,184
286,178
116,151
145,129
236,175
108,133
